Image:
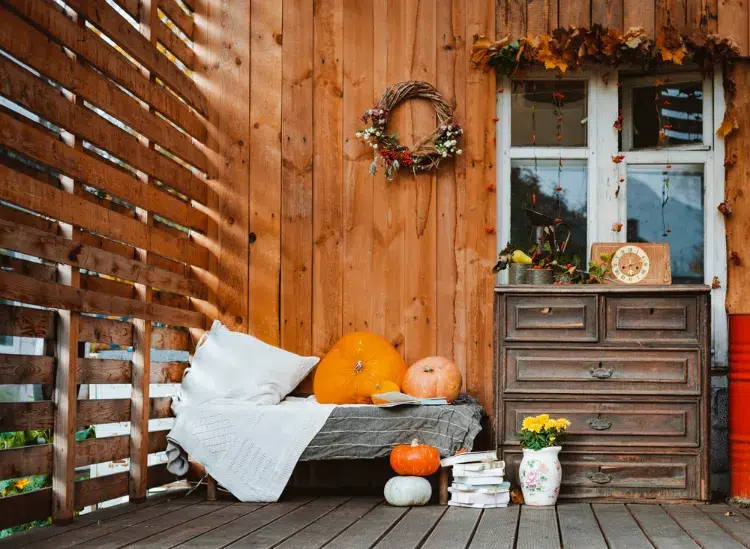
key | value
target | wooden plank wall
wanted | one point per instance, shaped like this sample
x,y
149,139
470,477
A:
x,y
333,249
104,233
330,247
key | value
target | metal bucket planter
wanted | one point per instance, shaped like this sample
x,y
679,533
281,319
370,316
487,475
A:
x,y
539,277
518,273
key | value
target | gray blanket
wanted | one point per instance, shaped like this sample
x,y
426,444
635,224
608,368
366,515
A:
x,y
366,432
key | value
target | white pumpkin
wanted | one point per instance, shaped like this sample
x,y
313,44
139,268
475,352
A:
x,y
408,491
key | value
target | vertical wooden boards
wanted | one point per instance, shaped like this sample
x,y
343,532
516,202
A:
x,y
607,13
479,212
511,17
63,449
296,176
639,13
575,12
226,59
737,225
265,162
328,139
419,191
389,217
451,74
361,288
538,16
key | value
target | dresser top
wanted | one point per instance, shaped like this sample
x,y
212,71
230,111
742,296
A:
x,y
602,289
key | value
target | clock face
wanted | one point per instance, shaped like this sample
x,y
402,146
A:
x,y
630,264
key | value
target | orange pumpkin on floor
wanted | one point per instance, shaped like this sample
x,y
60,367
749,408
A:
x,y
357,367
415,459
433,376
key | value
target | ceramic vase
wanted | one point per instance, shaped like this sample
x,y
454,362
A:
x,y
540,476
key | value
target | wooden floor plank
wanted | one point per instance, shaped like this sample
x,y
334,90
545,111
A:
x,y
454,529
730,520
702,529
220,537
497,529
279,530
143,530
620,528
24,539
537,528
578,527
369,529
184,532
660,528
100,529
413,528
331,525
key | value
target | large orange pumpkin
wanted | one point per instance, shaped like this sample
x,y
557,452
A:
x,y
433,376
356,368
415,459
385,387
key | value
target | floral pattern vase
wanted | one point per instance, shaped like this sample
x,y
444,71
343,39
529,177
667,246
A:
x,y
540,476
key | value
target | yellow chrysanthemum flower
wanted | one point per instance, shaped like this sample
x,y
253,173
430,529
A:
x,y
543,418
23,483
563,423
551,424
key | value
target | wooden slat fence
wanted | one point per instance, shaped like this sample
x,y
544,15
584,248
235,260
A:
x,y
103,224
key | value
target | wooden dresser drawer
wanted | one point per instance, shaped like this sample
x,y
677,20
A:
x,y
661,320
551,318
582,370
622,476
622,423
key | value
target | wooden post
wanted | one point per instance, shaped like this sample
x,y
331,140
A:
x,y
142,329
445,480
66,351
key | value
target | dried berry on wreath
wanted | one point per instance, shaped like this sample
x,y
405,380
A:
x,y
428,152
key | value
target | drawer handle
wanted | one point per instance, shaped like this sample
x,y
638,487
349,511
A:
x,y
601,373
546,310
599,477
600,424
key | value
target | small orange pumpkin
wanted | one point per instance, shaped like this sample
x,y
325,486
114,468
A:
x,y
431,377
415,459
357,367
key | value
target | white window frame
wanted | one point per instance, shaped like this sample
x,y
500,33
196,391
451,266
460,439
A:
x,y
604,176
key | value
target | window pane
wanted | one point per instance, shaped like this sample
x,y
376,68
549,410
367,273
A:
x,y
541,179
536,106
669,114
666,205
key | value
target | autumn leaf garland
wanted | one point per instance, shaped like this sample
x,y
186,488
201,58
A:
x,y
571,48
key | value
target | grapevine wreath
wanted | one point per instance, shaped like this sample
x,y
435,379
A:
x,y
425,154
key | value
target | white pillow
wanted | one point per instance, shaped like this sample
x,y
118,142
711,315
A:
x,y
235,365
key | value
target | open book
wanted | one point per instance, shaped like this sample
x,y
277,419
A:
x,y
396,398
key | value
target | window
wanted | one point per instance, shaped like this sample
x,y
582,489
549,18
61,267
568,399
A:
x,y
597,150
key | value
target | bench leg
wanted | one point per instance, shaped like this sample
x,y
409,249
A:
x,y
212,491
444,482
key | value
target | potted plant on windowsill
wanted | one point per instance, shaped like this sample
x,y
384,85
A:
x,y
540,473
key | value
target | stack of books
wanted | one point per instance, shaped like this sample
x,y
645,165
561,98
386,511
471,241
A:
x,y
478,480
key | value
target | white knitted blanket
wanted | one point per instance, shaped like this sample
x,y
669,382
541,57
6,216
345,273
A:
x,y
250,450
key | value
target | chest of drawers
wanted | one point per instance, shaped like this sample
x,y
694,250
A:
x,y
628,366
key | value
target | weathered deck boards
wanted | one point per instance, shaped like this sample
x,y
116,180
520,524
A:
x,y
176,522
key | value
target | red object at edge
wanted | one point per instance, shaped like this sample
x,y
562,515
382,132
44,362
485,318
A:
x,y
739,406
